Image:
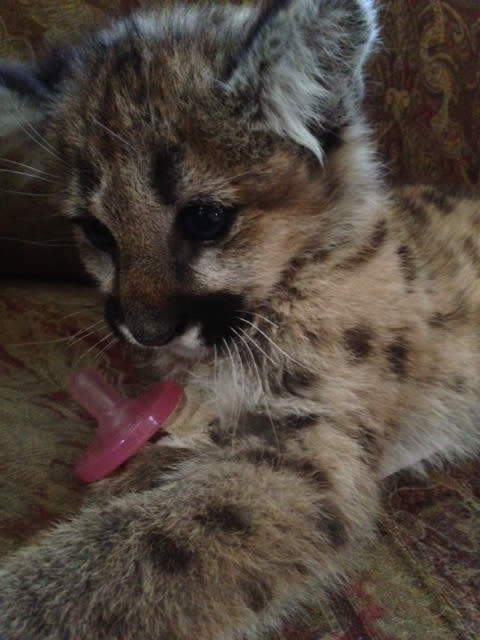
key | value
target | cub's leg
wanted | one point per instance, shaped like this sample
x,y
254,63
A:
x,y
222,547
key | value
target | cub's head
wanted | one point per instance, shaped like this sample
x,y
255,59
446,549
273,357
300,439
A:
x,y
200,150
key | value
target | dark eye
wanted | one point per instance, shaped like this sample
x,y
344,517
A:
x,y
204,222
96,233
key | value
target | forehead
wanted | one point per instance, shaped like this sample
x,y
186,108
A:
x,y
156,78
145,112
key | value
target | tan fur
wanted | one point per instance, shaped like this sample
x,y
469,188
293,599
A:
x,y
358,352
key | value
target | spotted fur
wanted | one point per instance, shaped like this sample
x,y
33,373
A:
x,y
329,333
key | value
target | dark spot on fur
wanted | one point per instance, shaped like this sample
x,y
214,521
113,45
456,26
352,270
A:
x,y
266,456
257,594
260,425
167,554
300,421
471,249
415,213
379,235
358,342
330,522
220,436
368,251
445,320
273,430
294,379
164,176
369,442
407,263
438,321
320,255
309,471
229,517
440,200
397,354
459,384
113,520
305,468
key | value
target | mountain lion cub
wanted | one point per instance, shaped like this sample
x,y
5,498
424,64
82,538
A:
x,y
226,198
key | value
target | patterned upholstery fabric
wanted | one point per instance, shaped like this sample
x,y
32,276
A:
x,y
424,91
421,579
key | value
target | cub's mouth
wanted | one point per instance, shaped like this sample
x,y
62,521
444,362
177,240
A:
x,y
188,326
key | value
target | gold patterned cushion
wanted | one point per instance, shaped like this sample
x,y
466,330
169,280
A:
x,y
424,91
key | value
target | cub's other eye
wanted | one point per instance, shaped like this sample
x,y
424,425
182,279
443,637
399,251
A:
x,y
96,233
205,221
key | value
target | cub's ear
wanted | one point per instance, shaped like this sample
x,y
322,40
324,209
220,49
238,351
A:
x,y
27,90
299,71
36,82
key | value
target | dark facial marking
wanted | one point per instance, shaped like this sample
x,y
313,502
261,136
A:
x,y
229,517
98,235
88,177
114,314
330,522
217,314
368,251
407,263
397,354
358,342
257,594
164,176
167,554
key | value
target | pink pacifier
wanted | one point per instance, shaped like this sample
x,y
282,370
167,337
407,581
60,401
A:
x,y
124,425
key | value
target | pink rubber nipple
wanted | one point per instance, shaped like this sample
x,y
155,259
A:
x,y
124,425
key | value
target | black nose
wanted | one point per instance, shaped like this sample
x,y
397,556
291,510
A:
x,y
151,326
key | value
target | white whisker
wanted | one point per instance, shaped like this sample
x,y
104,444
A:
x,y
27,166
27,175
115,135
27,193
95,346
274,344
255,344
105,349
259,315
39,243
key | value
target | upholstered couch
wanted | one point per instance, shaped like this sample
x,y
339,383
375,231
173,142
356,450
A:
x,y
421,579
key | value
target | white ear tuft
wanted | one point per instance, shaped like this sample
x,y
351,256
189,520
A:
x,y
300,70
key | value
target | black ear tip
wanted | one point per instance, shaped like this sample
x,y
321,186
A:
x,y
21,80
